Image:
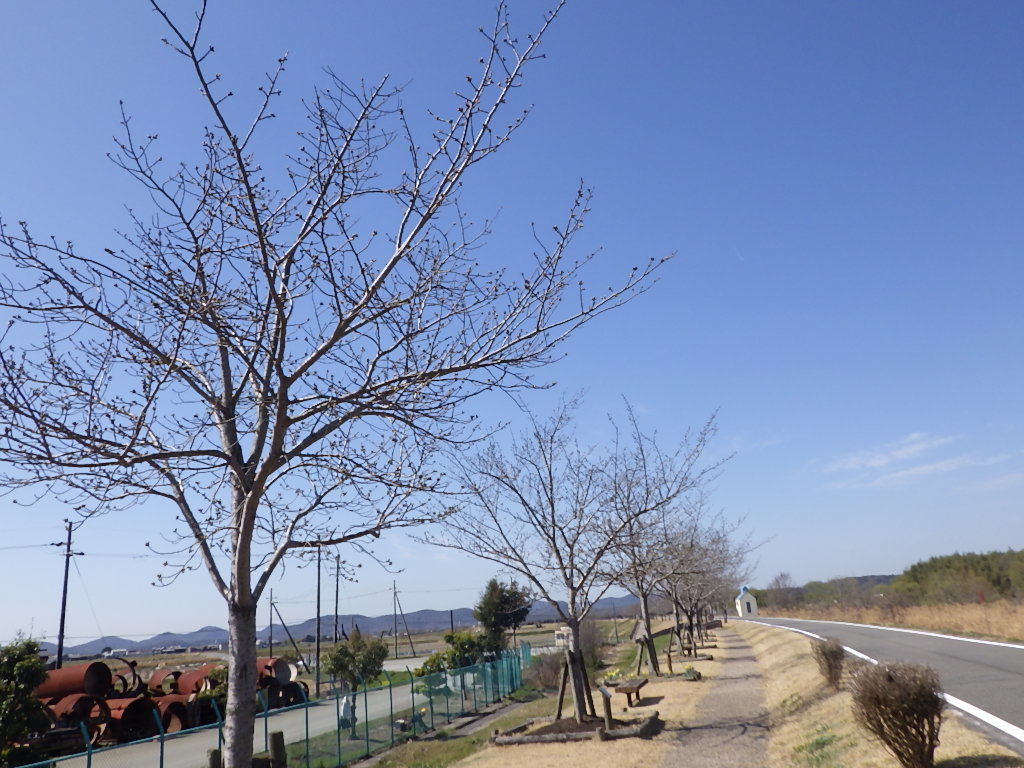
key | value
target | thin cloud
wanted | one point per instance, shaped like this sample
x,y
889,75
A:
x,y
1001,482
907,447
942,467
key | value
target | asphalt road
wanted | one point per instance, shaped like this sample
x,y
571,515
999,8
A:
x,y
987,675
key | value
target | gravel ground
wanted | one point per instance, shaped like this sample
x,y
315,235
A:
x,y
731,727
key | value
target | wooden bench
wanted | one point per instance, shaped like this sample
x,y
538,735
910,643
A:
x,y
632,689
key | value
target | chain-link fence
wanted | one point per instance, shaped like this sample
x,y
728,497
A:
x,y
339,728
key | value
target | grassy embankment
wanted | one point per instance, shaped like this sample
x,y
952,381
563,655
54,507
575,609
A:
x,y
999,619
813,725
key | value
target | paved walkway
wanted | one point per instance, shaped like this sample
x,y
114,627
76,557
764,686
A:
x,y
731,728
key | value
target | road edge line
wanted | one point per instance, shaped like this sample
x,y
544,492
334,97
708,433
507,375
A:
x,y
984,716
926,633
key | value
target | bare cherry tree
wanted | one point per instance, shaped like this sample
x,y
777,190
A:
x,y
549,509
704,555
641,559
278,348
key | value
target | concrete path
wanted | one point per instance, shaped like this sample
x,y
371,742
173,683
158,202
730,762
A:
x,y
731,729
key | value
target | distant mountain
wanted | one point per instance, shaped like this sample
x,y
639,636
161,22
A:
x,y
49,649
203,636
604,608
96,646
417,621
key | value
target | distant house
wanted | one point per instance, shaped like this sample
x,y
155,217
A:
x,y
746,604
563,637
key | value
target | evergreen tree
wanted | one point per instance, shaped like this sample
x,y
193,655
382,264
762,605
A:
x,y
501,609
356,660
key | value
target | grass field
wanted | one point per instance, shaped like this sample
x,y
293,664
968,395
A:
x,y
813,726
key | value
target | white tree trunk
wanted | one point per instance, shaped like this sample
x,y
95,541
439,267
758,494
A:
x,y
240,718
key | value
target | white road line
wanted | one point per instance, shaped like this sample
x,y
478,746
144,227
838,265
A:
x,y
977,640
986,717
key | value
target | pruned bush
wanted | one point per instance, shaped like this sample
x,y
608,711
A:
x,y
591,641
545,671
830,656
901,705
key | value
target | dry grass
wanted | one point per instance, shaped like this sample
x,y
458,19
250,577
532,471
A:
x,y
675,699
1001,619
813,725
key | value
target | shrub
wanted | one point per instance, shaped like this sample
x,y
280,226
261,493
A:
x,y
21,713
591,642
545,671
830,656
464,650
901,705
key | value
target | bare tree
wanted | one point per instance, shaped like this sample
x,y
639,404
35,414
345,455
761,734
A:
x,y
781,591
641,559
705,555
279,360
550,509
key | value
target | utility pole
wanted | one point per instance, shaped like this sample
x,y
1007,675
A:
x,y
68,554
318,553
394,608
337,589
408,634
271,624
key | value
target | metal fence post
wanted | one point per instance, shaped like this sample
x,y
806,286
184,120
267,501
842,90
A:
x,y
412,699
305,711
366,717
220,724
476,678
447,687
430,697
391,706
337,715
88,743
266,719
160,734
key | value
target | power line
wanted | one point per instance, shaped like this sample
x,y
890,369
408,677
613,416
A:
x,y
88,599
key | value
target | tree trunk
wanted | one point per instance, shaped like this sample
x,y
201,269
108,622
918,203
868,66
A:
x,y
240,718
576,674
679,627
645,617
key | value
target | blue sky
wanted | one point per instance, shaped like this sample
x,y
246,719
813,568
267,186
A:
x,y
842,184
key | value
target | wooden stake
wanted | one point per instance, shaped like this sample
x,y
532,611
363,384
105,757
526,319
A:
x,y
561,689
278,754
606,700
586,689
